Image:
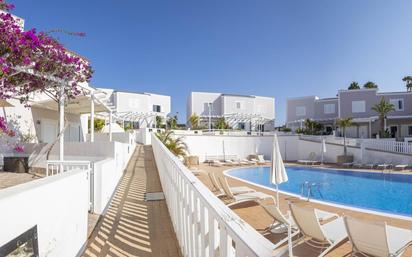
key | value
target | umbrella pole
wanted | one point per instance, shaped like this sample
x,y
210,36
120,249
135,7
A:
x,y
277,195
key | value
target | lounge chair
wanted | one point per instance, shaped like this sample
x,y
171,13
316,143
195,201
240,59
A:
x,y
401,166
371,238
358,165
370,165
347,164
217,163
229,163
249,161
235,162
384,166
235,190
280,223
311,159
325,237
240,198
244,162
261,160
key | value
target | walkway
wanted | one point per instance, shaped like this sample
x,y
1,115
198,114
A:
x,y
133,226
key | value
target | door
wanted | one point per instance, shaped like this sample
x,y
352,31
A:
x,y
363,131
48,131
74,133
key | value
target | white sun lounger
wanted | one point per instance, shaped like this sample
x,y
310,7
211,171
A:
x,y
384,166
217,163
319,236
249,161
377,238
307,162
261,160
401,166
281,221
235,190
240,198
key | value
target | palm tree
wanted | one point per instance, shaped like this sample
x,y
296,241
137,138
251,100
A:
x,y
159,121
354,85
221,123
344,123
370,84
194,121
408,80
172,122
175,145
382,108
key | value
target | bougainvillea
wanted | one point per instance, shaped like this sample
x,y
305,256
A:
x,y
32,61
9,138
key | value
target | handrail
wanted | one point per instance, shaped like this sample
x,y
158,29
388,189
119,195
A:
x,y
204,225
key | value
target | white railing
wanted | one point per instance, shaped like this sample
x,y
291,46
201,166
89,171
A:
x,y
57,167
204,226
389,146
383,144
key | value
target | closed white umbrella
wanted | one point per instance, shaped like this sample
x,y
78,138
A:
x,y
362,148
278,173
323,148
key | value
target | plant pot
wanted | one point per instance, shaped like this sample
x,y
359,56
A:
x,y
16,164
344,159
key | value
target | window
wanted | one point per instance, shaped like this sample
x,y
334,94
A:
x,y
157,108
329,108
241,125
238,105
398,103
410,130
300,110
358,106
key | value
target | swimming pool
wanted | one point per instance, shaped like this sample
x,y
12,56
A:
x,y
390,193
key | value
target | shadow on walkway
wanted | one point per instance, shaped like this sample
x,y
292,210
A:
x,y
132,226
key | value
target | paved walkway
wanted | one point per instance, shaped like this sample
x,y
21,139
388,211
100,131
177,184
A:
x,y
132,226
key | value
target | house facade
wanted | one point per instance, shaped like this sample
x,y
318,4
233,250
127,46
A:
x,y
139,108
243,112
356,104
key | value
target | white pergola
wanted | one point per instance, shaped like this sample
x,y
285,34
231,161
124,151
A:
x,y
90,102
134,116
254,119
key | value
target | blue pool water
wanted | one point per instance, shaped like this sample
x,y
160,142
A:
x,y
391,193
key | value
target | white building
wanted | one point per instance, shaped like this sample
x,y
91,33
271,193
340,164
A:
x,y
139,108
245,112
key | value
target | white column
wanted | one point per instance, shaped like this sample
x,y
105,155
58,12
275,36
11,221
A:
x,y
92,119
61,123
110,125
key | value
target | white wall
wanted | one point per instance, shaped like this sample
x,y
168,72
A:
x,y
291,148
58,205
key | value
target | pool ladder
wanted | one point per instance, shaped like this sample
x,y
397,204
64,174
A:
x,y
307,189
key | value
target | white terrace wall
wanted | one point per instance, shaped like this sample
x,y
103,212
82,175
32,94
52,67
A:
x,y
58,205
109,161
291,147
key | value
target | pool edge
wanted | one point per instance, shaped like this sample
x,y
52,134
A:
x,y
362,210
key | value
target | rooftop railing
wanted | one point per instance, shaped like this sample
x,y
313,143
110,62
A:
x,y
203,224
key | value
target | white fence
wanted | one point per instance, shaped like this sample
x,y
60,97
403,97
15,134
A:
x,y
203,224
383,144
57,167
389,146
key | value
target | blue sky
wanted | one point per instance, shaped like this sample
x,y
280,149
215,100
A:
x,y
270,48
